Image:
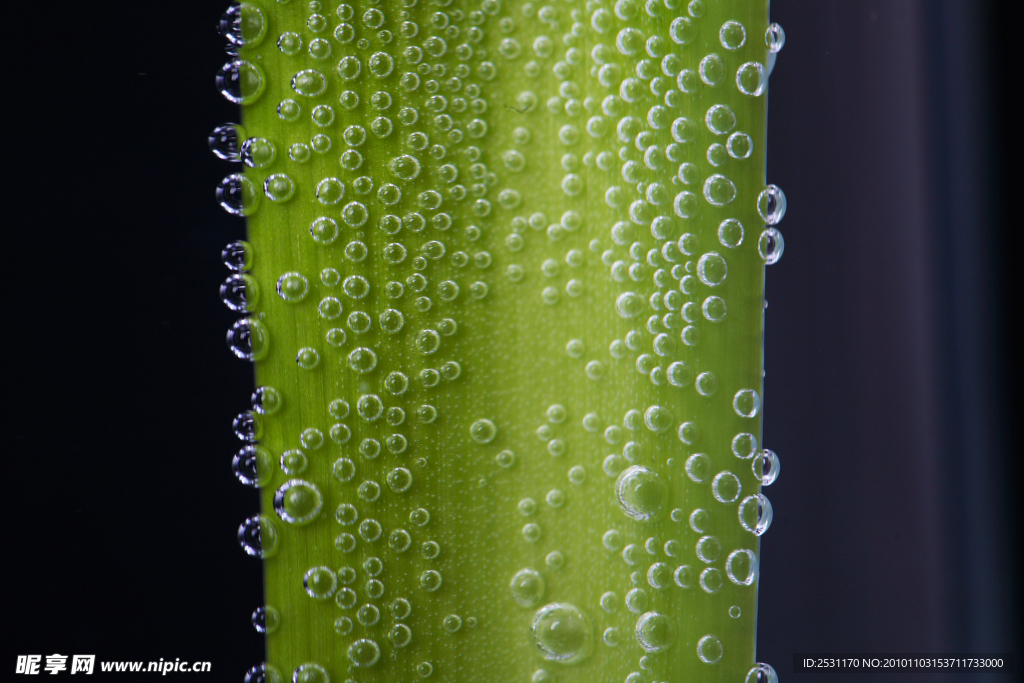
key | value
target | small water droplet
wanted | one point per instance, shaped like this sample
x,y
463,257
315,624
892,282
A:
x,y
527,587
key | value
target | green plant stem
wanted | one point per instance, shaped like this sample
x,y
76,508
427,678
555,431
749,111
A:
x,y
548,269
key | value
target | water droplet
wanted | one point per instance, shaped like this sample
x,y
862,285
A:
x,y
771,204
726,487
253,465
658,419
746,403
307,358
430,580
709,649
698,467
563,633
732,35
714,309
258,537
719,190
527,587
751,79
660,574
266,619
248,339
755,514
237,195
771,245
683,576
774,40
766,467
706,383
712,69
720,119
483,431
399,541
682,30
655,632
241,82
344,469
399,479
709,548
329,191
320,582
761,673
364,653
688,432
629,304
298,502
641,493
225,141
637,600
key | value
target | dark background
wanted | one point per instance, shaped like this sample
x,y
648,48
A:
x,y
892,384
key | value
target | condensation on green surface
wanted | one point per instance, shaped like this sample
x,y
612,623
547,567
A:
x,y
512,292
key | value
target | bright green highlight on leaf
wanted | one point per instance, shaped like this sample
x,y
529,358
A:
x,y
509,326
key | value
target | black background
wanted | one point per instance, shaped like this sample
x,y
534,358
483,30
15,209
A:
x,y
892,385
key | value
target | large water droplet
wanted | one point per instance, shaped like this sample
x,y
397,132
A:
x,y
655,632
238,195
298,502
240,293
719,190
241,82
563,633
741,567
709,649
253,465
364,653
771,245
761,673
258,537
248,339
320,582
771,204
483,431
726,487
225,141
732,35
641,493
766,467
527,587
751,79
755,514
264,673
309,83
